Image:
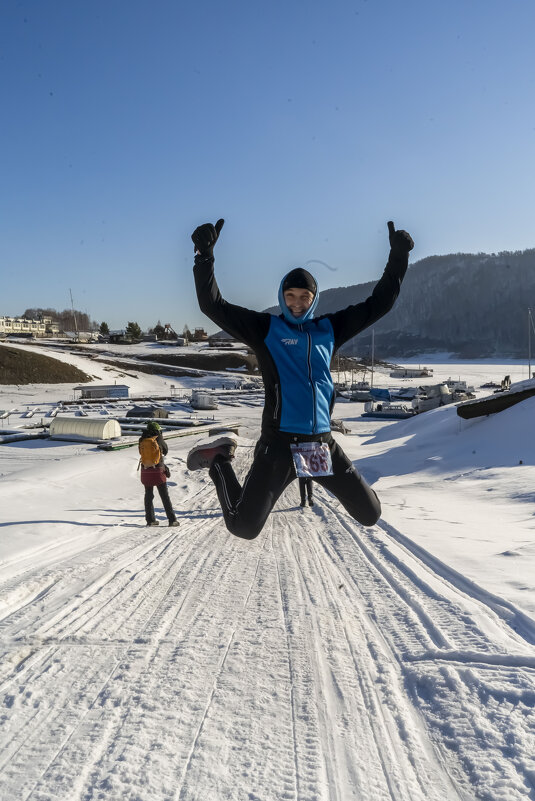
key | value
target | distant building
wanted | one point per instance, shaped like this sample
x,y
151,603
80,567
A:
x,y
221,340
200,335
103,391
52,328
22,326
81,336
411,372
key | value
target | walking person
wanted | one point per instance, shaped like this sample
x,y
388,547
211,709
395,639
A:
x,y
306,491
294,352
154,472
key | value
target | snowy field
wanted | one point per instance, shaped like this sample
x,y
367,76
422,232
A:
x,y
320,662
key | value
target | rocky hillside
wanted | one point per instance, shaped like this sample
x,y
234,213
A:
x,y
472,305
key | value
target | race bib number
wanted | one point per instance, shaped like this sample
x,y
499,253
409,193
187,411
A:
x,y
312,459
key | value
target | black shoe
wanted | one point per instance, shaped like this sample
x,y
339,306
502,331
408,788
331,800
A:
x,y
303,503
173,523
310,502
153,523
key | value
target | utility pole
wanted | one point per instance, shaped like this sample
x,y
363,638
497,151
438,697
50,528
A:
x,y
373,355
530,326
74,316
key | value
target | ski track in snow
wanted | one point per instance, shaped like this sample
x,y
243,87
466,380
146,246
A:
x,y
317,663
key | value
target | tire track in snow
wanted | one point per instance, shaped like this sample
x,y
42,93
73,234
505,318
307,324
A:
x,y
177,689
79,577
292,678
43,715
113,722
471,722
245,747
312,770
80,559
277,669
182,790
374,747
51,630
416,616
39,673
115,728
119,718
517,620
68,654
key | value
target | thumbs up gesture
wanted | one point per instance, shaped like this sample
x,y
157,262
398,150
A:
x,y
400,241
205,236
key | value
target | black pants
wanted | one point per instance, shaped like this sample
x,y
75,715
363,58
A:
x,y
305,488
166,501
246,509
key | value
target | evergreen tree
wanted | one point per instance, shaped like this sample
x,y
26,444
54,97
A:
x,y
104,329
133,331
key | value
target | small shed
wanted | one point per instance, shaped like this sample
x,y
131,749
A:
x,y
411,372
85,428
103,390
200,335
202,399
148,411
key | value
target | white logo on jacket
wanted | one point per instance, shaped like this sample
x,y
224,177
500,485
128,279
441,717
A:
x,y
289,341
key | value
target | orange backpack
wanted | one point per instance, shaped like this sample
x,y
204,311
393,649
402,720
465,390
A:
x,y
149,450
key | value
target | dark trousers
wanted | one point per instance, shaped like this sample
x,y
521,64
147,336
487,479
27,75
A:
x,y
246,509
166,501
305,488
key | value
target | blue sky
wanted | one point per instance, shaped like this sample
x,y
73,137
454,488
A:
x,y
306,125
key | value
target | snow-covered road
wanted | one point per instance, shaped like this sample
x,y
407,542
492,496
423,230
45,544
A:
x,y
320,661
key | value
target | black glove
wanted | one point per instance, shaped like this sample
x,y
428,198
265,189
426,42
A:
x,y
205,236
400,241
166,471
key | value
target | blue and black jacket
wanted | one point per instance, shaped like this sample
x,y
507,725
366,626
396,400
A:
x,y
295,357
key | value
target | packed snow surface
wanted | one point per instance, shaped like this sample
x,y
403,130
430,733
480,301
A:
x,y
322,661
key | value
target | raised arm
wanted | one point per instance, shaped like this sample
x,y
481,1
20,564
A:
x,y
244,324
350,321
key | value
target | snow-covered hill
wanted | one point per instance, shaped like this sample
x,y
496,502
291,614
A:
x,y
321,661
473,304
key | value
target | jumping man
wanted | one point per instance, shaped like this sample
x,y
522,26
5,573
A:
x,y
294,352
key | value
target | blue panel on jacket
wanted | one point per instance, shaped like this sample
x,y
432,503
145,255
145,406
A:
x,y
302,355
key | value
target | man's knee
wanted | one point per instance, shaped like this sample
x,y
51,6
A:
x,y
364,506
370,517
242,529
370,514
